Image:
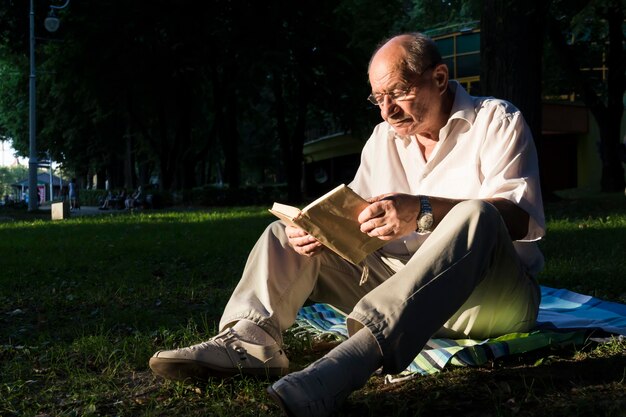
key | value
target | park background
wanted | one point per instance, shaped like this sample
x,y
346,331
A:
x,y
221,108
185,97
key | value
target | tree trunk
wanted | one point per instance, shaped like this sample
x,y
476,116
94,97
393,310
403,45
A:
x,y
225,109
130,178
230,144
101,178
290,145
511,46
297,144
610,139
115,173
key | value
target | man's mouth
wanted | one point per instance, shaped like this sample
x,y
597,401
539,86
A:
x,y
400,121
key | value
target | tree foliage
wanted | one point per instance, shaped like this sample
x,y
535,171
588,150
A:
x,y
205,92
197,92
11,175
434,14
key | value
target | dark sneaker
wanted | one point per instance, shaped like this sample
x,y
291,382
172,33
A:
x,y
312,392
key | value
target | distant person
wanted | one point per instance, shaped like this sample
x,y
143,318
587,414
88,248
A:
x,y
41,195
107,201
135,199
72,194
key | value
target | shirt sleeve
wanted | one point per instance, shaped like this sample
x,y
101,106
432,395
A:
x,y
361,184
510,169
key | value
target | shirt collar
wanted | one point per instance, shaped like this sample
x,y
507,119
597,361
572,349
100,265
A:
x,y
462,108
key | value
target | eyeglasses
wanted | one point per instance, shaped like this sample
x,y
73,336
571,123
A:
x,y
398,94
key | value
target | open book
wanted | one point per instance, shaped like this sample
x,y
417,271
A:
x,y
332,219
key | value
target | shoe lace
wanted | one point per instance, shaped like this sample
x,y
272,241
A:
x,y
226,336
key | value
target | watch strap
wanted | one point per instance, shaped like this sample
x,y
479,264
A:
x,y
425,219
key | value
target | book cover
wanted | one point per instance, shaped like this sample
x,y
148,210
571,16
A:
x,y
332,219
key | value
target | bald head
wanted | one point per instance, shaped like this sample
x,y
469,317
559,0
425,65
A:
x,y
408,53
409,84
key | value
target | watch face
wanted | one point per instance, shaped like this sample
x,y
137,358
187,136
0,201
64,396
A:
x,y
426,222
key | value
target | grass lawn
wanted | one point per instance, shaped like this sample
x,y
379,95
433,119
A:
x,y
86,301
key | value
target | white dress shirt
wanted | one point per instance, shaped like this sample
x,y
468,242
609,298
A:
x,y
485,150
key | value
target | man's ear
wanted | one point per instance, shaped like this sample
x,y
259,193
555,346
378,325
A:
x,y
440,74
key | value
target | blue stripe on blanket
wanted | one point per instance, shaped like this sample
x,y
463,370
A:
x,y
563,309
564,318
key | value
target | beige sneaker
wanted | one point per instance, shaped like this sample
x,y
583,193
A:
x,y
221,356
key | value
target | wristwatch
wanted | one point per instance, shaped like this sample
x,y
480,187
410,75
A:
x,y
425,219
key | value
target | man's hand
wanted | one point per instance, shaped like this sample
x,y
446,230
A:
x,y
390,216
302,242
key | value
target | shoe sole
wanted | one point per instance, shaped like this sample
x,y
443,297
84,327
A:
x,y
181,370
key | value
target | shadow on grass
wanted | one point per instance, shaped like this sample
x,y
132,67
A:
x,y
588,260
558,387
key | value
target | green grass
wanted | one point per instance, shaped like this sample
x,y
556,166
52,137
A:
x,y
585,247
86,301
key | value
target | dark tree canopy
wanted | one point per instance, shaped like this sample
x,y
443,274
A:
x,y
205,92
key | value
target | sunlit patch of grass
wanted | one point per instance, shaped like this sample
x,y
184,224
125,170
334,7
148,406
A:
x,y
85,302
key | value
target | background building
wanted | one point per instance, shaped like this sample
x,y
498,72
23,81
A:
x,y
43,187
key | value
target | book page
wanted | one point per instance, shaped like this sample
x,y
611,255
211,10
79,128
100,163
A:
x,y
287,214
333,221
290,211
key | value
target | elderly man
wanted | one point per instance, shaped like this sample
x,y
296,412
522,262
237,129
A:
x,y
454,188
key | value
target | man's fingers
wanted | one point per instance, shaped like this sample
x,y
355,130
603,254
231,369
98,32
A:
x,y
380,229
294,232
374,224
374,210
303,241
310,249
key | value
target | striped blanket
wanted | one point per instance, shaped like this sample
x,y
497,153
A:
x,y
565,317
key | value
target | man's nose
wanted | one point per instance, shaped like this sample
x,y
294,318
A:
x,y
388,107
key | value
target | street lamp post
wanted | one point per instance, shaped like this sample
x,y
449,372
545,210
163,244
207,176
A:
x,y
32,157
52,24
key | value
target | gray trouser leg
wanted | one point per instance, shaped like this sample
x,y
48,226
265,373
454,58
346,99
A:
x,y
464,281
277,281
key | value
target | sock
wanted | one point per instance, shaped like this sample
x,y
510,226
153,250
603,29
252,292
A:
x,y
358,358
321,388
250,332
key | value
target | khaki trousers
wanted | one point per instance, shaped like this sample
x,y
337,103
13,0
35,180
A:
x,y
465,281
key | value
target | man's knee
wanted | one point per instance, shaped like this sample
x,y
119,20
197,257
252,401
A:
x,y
480,207
475,219
275,232
276,227
476,211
